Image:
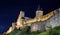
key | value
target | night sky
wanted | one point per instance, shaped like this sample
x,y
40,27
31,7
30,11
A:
x,y
9,10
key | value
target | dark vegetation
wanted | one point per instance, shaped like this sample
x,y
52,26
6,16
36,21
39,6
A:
x,y
51,31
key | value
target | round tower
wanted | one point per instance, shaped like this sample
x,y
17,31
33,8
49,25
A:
x,y
39,12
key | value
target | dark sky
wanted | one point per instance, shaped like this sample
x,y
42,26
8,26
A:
x,y
9,10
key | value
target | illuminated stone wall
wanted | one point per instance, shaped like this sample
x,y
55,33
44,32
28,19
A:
x,y
38,26
55,20
52,22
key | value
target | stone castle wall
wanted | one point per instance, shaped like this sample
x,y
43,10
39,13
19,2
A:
x,y
52,22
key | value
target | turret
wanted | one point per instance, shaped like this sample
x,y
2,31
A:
x,y
39,12
19,20
22,14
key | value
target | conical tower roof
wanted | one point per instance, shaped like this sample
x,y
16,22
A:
x,y
39,8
